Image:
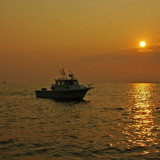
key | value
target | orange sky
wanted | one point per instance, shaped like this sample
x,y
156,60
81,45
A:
x,y
97,39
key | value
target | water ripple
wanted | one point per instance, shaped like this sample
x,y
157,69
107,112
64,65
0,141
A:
x,y
115,121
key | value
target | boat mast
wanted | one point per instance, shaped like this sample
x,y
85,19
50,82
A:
x,y
63,73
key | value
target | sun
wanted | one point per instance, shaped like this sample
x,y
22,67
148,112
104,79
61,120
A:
x,y
142,44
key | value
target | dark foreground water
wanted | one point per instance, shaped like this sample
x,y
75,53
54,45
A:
x,y
116,121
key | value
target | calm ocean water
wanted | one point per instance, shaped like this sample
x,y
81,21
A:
x,y
116,121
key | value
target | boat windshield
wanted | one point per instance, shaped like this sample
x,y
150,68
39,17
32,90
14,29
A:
x,y
66,82
75,82
71,82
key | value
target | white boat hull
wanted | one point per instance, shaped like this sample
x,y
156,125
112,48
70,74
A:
x,y
69,94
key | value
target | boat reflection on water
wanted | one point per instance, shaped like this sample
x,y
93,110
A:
x,y
140,130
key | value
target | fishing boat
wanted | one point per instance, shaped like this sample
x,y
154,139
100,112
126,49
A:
x,y
66,87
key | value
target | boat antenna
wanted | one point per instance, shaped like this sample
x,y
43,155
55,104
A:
x,y
62,72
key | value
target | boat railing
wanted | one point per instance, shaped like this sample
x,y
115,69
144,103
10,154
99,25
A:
x,y
88,85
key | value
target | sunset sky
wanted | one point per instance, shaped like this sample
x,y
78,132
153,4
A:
x,y
97,39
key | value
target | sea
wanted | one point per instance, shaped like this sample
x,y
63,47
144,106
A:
x,y
116,121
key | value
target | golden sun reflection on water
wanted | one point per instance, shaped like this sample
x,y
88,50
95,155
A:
x,y
143,120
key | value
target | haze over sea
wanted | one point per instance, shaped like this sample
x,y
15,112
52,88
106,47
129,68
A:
x,y
115,121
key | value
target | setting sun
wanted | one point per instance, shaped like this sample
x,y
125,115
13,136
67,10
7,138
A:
x,y
142,44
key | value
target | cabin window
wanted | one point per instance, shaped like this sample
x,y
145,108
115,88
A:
x,y
62,82
71,82
75,82
67,83
59,83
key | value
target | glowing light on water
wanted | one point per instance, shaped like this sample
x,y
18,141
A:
x,y
142,114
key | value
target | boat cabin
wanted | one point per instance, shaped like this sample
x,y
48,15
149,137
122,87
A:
x,y
61,82
66,83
